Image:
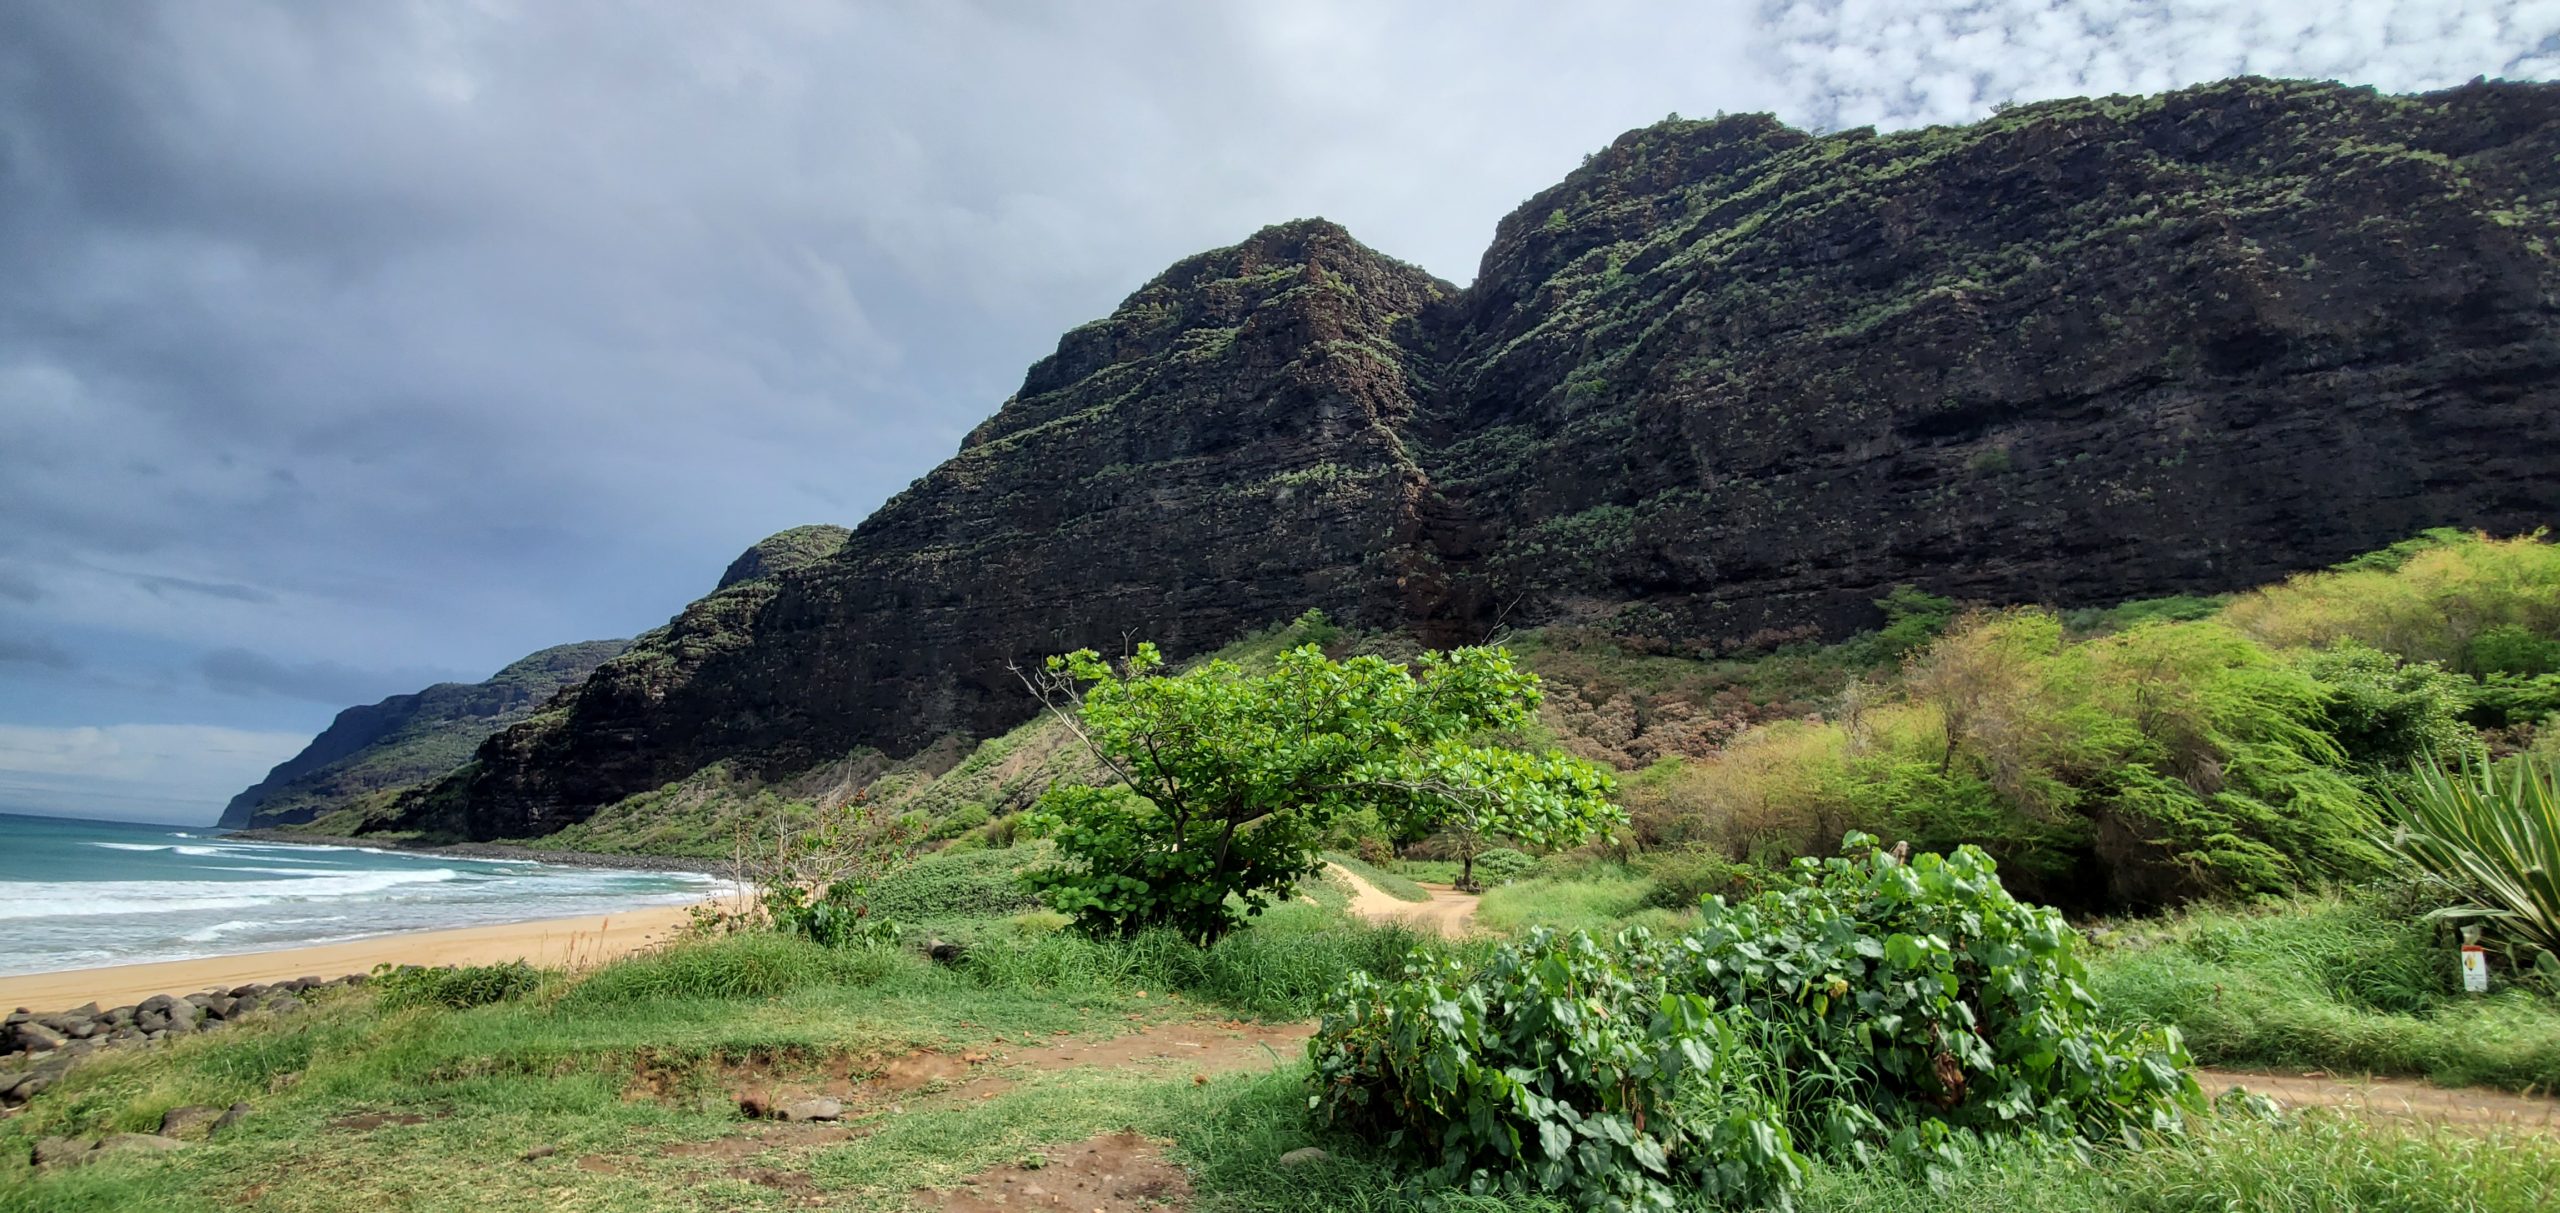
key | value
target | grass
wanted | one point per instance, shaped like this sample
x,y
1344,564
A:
x,y
1600,902
556,1068
2351,982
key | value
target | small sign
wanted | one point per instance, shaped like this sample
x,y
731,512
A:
x,y
2475,970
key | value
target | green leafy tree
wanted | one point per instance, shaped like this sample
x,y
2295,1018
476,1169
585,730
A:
x,y
1222,782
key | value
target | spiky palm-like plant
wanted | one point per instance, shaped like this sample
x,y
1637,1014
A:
x,y
2492,830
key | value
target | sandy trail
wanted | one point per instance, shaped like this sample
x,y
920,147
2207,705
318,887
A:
x,y
570,943
2395,1099
1449,912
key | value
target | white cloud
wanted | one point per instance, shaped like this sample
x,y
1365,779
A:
x,y
1918,62
178,773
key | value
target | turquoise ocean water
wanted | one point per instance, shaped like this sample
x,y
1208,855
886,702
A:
x,y
77,894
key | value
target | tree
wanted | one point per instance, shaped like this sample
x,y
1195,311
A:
x,y
1222,782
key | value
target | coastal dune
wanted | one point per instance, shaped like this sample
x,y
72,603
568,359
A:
x,y
570,943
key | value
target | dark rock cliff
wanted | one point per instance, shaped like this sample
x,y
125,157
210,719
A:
x,y
1728,380
407,739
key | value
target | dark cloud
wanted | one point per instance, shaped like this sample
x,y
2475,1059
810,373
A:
x,y
165,586
409,334
40,653
241,672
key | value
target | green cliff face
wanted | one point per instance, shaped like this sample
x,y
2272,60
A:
x,y
1727,382
408,739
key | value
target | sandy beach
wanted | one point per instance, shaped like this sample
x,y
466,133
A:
x,y
551,943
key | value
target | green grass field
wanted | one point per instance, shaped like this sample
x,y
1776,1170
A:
x,y
620,1085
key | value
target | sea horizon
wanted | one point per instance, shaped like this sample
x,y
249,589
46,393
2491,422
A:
x,y
82,893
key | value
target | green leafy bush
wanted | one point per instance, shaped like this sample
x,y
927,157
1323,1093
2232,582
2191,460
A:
x,y
838,916
1866,1009
1502,865
2386,714
458,987
2511,649
1682,879
1226,783
1902,1001
1565,1067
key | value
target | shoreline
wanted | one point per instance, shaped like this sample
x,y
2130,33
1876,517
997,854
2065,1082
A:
x,y
488,850
550,943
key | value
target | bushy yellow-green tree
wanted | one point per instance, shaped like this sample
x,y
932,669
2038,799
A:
x,y
1223,781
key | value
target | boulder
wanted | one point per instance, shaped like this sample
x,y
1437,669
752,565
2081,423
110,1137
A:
x,y
33,1036
53,1152
811,1109
238,1112
189,1121
251,990
219,1006
134,1143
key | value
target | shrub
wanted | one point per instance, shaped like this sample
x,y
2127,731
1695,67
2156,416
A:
x,y
1502,865
459,987
1866,1009
2386,714
1563,1067
2491,833
2510,649
1228,782
2432,599
965,884
1902,1001
1682,879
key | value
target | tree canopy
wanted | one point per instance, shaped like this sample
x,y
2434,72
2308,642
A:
x,y
1223,781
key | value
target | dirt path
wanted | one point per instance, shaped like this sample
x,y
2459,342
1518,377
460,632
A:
x,y
1449,912
2395,1099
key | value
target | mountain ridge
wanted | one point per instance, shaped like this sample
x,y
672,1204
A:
x,y
405,739
1724,385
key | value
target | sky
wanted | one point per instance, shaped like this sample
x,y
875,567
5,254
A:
x,y
345,348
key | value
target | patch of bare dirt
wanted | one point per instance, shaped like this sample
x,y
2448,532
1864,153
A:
x,y
2396,1099
369,1121
1206,1046
1118,1173
1448,912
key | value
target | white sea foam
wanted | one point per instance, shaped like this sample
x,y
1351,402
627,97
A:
x,y
86,899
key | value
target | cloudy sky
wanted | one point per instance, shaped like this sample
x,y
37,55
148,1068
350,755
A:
x,y
348,347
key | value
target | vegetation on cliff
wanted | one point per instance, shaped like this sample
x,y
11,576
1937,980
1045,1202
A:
x,y
408,739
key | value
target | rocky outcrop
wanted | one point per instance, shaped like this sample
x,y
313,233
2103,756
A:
x,y
1220,452
785,552
1728,382
37,1049
408,739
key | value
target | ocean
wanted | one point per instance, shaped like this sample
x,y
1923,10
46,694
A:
x,y
78,894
